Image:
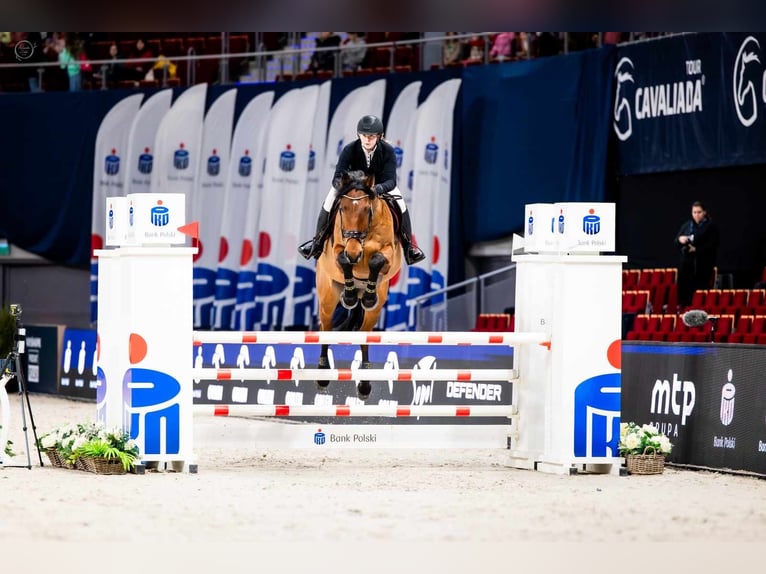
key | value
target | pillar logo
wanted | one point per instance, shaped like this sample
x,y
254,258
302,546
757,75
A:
x,y
597,416
727,401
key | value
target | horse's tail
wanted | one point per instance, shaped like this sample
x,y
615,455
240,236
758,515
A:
x,y
351,322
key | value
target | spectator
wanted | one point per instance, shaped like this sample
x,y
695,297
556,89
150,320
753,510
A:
x,y
40,54
114,71
453,50
324,59
69,60
162,70
353,52
502,48
476,50
698,241
138,70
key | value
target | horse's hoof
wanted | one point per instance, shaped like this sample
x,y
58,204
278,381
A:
x,y
347,305
322,385
369,303
363,390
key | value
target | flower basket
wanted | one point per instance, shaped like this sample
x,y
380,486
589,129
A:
x,y
102,465
648,463
53,456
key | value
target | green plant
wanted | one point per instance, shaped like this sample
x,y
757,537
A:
x,y
8,446
635,439
115,444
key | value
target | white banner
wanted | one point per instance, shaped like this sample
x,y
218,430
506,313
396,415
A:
x,y
143,132
282,204
431,193
109,165
207,204
108,177
400,133
316,189
177,145
362,101
244,173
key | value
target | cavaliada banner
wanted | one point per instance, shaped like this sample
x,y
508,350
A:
x,y
689,102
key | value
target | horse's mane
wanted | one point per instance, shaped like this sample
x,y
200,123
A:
x,y
356,179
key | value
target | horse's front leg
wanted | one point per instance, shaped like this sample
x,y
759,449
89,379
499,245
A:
x,y
370,296
349,299
363,388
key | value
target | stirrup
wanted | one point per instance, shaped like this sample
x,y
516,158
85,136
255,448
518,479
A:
x,y
413,254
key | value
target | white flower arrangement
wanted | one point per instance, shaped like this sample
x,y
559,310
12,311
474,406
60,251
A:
x,y
93,440
635,439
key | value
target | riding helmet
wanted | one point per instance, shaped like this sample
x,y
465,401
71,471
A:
x,y
370,125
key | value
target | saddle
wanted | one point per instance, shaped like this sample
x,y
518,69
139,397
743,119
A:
x,y
389,199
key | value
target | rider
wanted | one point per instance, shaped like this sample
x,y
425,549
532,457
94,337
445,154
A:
x,y
371,154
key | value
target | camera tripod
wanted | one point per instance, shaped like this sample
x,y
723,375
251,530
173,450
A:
x,y
12,369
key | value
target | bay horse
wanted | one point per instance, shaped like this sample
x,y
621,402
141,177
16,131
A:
x,y
361,256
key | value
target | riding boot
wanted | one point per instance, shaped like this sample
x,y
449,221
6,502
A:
x,y
412,253
314,247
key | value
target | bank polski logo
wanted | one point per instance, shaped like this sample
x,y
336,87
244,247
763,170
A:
x,y
145,161
111,216
530,224
623,122
214,163
287,159
432,151
245,167
319,437
591,223
159,215
181,157
112,163
312,159
727,400
745,98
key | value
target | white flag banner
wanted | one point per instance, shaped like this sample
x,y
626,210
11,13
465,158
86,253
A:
x,y
431,191
177,145
244,172
400,133
281,213
143,133
109,176
207,203
316,189
365,100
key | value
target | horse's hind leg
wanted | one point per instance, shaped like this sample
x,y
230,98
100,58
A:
x,y
370,296
363,388
324,363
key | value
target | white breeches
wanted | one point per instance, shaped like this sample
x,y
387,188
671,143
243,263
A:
x,y
330,199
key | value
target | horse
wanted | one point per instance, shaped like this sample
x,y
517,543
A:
x,y
361,256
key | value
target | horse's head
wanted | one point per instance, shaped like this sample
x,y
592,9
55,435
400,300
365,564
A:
x,y
356,194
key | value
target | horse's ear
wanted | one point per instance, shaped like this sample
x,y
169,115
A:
x,y
370,181
342,181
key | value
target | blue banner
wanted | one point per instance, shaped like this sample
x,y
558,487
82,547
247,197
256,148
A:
x,y
689,102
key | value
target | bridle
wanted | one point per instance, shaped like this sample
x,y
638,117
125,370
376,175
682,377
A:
x,y
360,236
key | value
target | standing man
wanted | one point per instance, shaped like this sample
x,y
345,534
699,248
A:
x,y
698,241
